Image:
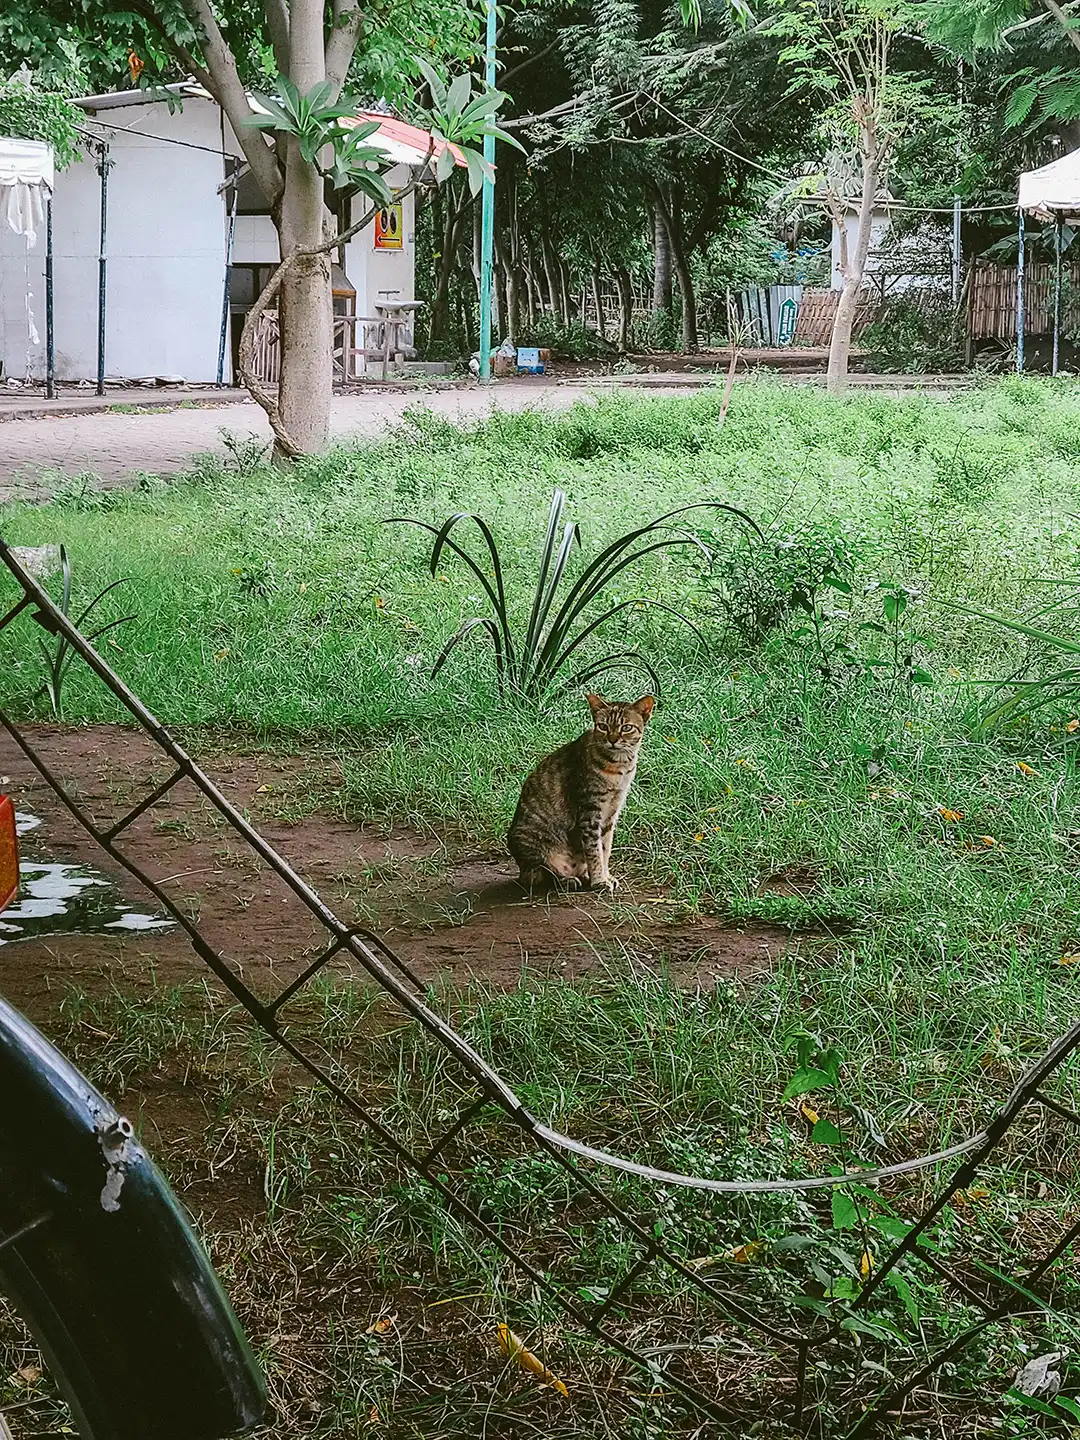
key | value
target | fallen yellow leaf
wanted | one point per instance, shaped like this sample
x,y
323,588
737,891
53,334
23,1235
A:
x,y
970,1197
698,838
866,1264
744,1254
516,1349
382,1325
809,1113
1073,958
988,840
950,816
1073,726
1026,769
373,1416
30,1374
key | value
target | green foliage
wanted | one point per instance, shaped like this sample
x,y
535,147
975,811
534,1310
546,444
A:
x,y
463,113
29,112
531,666
576,342
315,121
57,654
916,335
1055,687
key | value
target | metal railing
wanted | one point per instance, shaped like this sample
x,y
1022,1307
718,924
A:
x,y
491,1098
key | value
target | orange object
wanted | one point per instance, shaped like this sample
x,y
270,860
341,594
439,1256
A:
x,y
136,66
9,853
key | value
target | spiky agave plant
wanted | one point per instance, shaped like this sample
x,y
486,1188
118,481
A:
x,y
533,664
57,654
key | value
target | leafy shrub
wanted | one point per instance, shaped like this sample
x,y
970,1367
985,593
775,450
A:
x,y
30,113
756,587
574,342
916,335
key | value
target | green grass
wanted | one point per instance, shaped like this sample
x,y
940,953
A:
x,y
281,605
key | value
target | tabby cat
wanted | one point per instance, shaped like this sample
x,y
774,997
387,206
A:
x,y
565,819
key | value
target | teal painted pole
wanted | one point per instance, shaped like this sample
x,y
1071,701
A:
x,y
487,217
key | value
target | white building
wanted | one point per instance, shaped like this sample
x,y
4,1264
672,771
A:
x,y
168,199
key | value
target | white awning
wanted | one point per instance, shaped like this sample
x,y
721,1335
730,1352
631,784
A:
x,y
1053,189
26,182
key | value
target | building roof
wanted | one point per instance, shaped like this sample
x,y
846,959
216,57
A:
x,y
402,144
152,95
1053,189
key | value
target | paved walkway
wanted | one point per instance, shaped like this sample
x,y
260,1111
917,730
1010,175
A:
x,y
37,453
38,450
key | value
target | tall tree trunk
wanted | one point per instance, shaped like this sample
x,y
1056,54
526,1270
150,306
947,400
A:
x,y
549,276
509,279
598,303
305,301
562,276
853,265
626,308
468,316
661,294
667,209
305,310
452,225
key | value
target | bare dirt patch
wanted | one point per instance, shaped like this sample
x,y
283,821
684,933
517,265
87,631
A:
x,y
449,911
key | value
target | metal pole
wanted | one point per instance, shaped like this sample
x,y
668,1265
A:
x,y
1020,297
487,215
50,335
103,170
1059,226
228,280
957,257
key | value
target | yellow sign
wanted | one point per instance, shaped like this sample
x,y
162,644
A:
x,y
388,224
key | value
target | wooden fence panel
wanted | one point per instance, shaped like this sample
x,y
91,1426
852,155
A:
x,y
991,311
817,310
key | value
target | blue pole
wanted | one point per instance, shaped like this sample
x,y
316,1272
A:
x,y
487,216
1020,298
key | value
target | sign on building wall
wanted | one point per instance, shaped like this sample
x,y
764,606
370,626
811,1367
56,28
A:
x,y
388,227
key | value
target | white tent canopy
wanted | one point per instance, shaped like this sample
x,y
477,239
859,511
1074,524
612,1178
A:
x,y
1053,190
26,182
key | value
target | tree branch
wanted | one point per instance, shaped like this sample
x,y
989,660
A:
x,y
341,42
228,90
277,20
1072,35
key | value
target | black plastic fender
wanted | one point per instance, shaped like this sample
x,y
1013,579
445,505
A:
x,y
102,1264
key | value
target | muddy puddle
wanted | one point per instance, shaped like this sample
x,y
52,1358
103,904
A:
x,y
63,899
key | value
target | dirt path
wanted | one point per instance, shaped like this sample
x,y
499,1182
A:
x,y
447,910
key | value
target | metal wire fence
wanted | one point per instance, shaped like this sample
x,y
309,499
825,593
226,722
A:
x,y
795,1339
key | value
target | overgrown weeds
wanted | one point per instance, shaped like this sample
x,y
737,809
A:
x,y
937,868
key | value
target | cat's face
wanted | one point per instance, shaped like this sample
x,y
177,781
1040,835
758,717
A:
x,y
620,724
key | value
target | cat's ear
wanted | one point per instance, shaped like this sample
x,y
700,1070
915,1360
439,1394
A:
x,y
596,703
644,706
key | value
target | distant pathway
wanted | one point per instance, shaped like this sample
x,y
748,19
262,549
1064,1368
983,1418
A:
x,y
37,450
115,447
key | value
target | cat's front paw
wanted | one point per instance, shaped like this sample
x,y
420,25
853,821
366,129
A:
x,y
607,885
